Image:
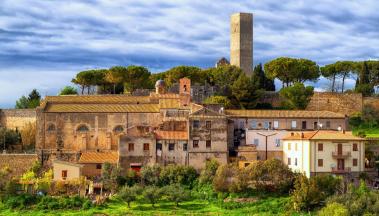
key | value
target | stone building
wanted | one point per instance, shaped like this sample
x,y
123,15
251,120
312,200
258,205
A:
x,y
140,129
241,41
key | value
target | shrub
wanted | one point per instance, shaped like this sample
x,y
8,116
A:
x,y
333,209
152,194
11,187
207,174
178,174
176,193
224,177
129,194
87,204
20,202
150,175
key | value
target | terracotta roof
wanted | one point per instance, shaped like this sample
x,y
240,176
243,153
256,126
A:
x,y
171,135
99,157
102,108
283,114
98,99
322,135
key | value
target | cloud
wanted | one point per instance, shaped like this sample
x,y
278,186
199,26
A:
x,y
48,38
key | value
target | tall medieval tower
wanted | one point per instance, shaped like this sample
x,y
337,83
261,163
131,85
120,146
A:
x,y
241,41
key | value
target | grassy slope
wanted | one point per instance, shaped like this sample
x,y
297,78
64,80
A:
x,y
268,206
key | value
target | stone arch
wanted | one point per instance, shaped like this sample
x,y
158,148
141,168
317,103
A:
x,y
83,128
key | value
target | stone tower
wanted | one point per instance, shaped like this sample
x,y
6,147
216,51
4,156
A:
x,y
241,41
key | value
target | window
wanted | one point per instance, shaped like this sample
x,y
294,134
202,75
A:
x,y
303,125
196,124
295,161
289,146
355,162
64,174
118,129
159,146
208,124
293,124
355,147
98,166
171,146
185,146
276,124
208,144
266,124
327,125
277,142
256,142
254,124
195,143
146,147
320,147
131,146
82,128
51,128
289,161
320,162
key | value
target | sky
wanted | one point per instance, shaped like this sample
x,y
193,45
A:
x,y
44,43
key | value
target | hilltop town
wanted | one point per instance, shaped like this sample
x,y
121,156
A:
x,y
223,127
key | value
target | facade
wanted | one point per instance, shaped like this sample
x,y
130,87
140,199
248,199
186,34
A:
x,y
65,171
241,41
318,152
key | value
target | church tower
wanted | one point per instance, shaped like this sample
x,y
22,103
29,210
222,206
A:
x,y
241,41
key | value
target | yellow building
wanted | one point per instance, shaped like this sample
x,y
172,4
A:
x,y
317,152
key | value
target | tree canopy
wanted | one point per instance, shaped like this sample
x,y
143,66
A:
x,y
296,96
68,90
30,102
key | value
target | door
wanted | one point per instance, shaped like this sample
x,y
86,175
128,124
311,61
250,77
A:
x,y
315,126
304,125
341,164
339,149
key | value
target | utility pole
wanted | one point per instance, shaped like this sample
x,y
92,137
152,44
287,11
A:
x,y
266,136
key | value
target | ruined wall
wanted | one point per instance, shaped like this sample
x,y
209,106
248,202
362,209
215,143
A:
x,y
61,130
17,118
336,102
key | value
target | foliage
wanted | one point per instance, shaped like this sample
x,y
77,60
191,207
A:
x,y
68,90
150,175
53,203
43,184
224,77
178,174
245,93
260,81
333,209
224,179
310,193
152,194
129,194
223,100
109,174
30,102
12,137
292,70
20,202
358,200
28,134
207,174
296,96
173,75
136,77
176,193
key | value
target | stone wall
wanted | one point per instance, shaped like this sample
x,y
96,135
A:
x,y
17,118
17,163
371,101
336,102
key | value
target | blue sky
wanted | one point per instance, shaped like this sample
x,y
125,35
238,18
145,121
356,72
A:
x,y
44,43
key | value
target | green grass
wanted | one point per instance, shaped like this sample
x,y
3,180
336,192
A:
x,y
264,207
370,132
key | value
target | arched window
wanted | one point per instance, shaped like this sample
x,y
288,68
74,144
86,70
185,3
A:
x,y
51,128
118,129
82,128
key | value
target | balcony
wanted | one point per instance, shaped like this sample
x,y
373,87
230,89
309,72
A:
x,y
335,170
344,154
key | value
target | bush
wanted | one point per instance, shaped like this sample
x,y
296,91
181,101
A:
x,y
152,194
176,193
129,194
178,174
333,209
207,174
20,202
87,204
150,175
225,177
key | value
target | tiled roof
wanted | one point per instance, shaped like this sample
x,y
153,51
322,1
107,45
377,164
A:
x,y
99,157
322,135
283,114
102,108
171,135
97,99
